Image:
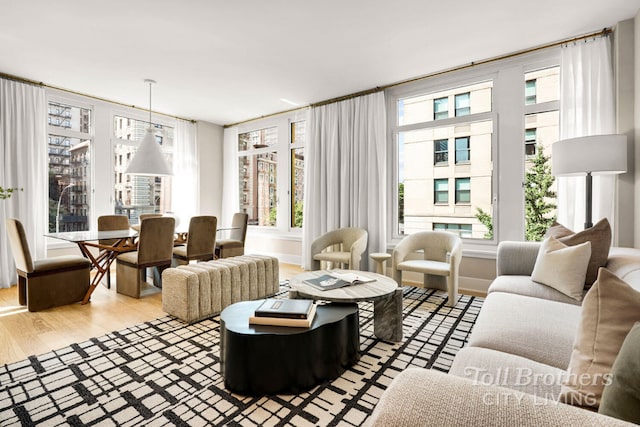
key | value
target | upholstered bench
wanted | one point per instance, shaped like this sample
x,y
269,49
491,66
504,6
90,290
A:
x,y
196,291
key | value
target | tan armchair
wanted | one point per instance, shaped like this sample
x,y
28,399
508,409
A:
x,y
343,246
201,241
110,223
50,282
155,248
234,245
441,256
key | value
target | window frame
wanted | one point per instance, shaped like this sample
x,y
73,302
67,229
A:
x,y
444,153
437,192
466,150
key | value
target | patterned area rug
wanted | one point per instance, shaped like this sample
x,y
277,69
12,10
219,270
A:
x,y
164,372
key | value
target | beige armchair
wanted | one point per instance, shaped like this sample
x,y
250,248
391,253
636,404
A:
x,y
110,223
155,248
343,246
441,256
201,241
50,282
234,245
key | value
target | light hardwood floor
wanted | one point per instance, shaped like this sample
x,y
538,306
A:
x,y
23,334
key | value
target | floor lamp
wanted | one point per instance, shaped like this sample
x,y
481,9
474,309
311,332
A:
x,y
589,155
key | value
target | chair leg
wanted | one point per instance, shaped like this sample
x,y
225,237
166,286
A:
x,y
22,290
453,295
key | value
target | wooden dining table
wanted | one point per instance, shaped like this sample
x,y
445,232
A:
x,y
122,242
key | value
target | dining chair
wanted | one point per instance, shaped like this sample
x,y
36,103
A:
x,y
343,246
155,248
142,217
439,252
201,241
234,245
49,282
110,223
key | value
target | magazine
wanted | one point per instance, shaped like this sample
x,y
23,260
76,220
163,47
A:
x,y
337,280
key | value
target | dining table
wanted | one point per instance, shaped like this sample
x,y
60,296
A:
x,y
121,241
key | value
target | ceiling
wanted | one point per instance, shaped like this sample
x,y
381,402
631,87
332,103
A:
x,y
227,61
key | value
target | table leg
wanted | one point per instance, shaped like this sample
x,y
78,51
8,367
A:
x,y
387,317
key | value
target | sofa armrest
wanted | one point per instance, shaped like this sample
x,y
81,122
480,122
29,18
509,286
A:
x,y
420,397
516,258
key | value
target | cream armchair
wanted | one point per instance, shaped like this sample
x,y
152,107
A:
x,y
343,246
441,256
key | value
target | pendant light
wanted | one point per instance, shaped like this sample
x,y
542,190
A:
x,y
149,159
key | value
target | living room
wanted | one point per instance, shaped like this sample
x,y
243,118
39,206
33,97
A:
x,y
238,104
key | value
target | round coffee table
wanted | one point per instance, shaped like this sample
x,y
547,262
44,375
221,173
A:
x,y
258,360
384,292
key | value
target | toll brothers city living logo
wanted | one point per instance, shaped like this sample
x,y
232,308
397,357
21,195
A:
x,y
575,386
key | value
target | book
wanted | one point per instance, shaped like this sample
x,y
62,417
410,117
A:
x,y
283,321
284,308
337,280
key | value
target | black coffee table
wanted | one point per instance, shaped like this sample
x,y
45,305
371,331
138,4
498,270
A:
x,y
260,360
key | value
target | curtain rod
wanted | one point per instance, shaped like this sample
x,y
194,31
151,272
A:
x,y
603,32
42,84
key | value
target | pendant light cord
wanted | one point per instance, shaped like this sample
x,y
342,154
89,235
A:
x,y
151,82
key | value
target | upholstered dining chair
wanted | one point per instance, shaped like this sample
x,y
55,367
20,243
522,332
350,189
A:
x,y
343,246
142,217
440,253
201,241
49,282
155,248
234,245
110,223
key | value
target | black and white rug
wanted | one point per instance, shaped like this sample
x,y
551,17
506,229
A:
x,y
164,373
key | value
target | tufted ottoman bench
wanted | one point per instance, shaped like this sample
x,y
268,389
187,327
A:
x,y
196,291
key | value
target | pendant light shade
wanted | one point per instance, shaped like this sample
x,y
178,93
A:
x,y
149,159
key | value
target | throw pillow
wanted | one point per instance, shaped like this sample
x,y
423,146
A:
x,y
621,398
609,311
562,267
600,237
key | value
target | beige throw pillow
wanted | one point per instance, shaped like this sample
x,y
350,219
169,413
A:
x,y
609,311
562,267
600,237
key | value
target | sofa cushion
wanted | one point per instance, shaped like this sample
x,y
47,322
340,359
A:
x,y
486,366
621,398
523,285
534,328
600,237
609,311
562,267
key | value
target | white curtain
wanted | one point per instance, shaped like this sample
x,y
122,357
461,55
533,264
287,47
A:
x,y
23,164
185,191
231,187
586,108
345,171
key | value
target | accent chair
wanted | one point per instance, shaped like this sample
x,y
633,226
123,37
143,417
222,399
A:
x,y
50,282
343,246
440,253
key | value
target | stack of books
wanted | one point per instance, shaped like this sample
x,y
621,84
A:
x,y
284,312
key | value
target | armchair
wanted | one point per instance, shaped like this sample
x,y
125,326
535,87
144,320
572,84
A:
x,y
442,253
352,244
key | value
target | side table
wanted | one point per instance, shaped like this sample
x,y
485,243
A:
x,y
380,258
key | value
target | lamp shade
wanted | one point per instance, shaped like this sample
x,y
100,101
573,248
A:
x,y
149,159
596,154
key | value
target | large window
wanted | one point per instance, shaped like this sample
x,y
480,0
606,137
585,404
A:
x,y
297,134
136,194
69,147
421,134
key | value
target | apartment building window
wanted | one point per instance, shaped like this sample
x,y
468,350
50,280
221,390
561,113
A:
x,y
530,142
530,92
441,191
463,104
297,135
463,230
463,190
463,150
138,194
441,151
70,145
441,108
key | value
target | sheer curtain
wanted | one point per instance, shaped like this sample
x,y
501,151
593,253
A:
x,y
345,171
185,190
586,108
23,164
231,187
